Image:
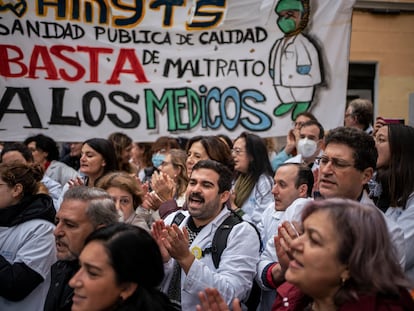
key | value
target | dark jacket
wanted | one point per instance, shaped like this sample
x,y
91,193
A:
x,y
73,162
39,206
147,300
59,296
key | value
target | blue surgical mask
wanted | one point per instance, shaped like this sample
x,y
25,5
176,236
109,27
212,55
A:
x,y
157,159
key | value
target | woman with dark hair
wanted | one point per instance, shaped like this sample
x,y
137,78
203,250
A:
x,y
120,269
395,175
252,191
98,158
26,238
123,145
208,147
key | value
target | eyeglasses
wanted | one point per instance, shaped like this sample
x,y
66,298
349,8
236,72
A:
x,y
237,151
336,163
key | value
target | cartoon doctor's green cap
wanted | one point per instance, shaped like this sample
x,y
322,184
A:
x,y
286,5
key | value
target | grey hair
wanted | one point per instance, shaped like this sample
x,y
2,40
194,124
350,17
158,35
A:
x,y
101,209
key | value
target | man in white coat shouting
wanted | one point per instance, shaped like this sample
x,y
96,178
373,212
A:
x,y
188,244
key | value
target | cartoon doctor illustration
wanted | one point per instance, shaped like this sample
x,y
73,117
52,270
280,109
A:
x,y
294,60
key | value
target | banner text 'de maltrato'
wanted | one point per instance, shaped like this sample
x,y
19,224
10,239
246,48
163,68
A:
x,y
80,69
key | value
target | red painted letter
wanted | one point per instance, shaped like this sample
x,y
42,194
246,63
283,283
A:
x,y
136,67
94,60
48,66
5,61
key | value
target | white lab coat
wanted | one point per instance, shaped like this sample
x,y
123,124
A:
x,y
233,278
259,198
285,57
404,218
33,244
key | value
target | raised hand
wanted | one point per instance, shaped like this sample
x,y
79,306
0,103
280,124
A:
x,y
211,300
157,233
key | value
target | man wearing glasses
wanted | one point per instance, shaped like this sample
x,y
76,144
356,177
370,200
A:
x,y
346,166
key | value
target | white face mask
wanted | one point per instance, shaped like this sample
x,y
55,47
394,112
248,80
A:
x,y
306,147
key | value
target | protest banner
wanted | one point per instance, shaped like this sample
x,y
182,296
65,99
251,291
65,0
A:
x,y
78,69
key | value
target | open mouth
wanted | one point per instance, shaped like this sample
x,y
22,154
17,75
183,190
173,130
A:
x,y
196,198
60,245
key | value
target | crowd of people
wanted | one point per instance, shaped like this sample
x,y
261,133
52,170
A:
x,y
212,223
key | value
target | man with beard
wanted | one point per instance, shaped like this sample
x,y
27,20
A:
x,y
187,248
83,210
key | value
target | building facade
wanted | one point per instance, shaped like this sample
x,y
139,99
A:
x,y
382,57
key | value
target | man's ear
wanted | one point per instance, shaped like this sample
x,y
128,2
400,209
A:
x,y
303,190
224,197
321,144
367,175
128,289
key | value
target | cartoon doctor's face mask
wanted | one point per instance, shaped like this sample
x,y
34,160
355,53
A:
x,y
286,24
